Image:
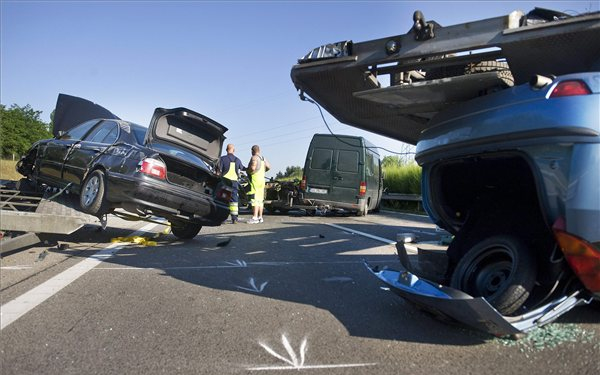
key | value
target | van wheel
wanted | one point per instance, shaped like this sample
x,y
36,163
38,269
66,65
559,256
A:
x,y
500,269
363,211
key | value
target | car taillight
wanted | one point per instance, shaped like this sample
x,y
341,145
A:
x,y
303,183
153,167
581,255
362,190
570,88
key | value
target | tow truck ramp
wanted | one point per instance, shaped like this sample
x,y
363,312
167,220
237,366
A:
x,y
25,214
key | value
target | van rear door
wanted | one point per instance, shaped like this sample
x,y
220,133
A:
x,y
319,173
345,180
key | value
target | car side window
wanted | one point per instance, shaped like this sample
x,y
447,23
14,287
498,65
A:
x,y
139,134
106,132
79,131
369,165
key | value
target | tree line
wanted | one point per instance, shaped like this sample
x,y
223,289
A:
x,y
20,127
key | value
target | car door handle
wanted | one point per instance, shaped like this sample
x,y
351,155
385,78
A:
x,y
77,145
338,178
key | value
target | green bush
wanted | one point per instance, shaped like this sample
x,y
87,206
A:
x,y
405,179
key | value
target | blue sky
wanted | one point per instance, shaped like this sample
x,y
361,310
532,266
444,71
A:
x,y
229,60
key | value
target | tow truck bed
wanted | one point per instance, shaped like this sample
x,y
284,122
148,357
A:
x,y
25,214
349,85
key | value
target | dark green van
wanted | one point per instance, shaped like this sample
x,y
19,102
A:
x,y
342,172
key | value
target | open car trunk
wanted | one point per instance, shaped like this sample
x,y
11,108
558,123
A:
x,y
190,145
187,130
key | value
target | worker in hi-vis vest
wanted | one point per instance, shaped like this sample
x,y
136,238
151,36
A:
x,y
229,167
257,167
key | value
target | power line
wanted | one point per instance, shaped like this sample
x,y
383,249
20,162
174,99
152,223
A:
x,y
278,127
304,98
262,139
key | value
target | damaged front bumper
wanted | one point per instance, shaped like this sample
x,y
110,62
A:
x,y
476,312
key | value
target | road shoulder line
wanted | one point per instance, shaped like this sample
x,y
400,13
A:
x,y
13,310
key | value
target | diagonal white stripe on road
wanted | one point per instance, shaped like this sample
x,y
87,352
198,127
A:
x,y
380,239
13,310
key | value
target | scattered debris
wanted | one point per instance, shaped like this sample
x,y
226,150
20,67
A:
x,y
42,255
224,243
550,336
139,240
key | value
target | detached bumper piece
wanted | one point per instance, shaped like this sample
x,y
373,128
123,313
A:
x,y
475,312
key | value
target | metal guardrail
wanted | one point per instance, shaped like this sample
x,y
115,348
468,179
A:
x,y
404,197
401,197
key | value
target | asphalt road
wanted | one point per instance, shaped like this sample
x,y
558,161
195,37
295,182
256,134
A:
x,y
291,294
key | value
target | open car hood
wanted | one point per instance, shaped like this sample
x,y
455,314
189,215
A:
x,y
187,129
476,312
72,110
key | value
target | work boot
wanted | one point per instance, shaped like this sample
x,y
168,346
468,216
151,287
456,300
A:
x,y
234,219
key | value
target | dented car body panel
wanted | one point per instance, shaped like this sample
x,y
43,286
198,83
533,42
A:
x,y
476,312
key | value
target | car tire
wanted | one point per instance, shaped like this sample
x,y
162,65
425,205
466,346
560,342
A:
x,y
500,269
92,197
185,230
500,67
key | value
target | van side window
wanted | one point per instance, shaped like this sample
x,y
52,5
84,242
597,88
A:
x,y
321,159
369,166
347,161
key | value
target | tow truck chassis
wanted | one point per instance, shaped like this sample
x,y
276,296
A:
x,y
25,214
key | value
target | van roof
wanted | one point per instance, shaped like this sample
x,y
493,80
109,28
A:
x,y
342,138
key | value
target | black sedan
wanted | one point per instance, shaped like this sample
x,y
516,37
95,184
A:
x,y
164,170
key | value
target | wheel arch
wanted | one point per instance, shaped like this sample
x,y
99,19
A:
x,y
483,195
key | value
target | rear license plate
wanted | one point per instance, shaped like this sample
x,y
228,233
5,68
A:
x,y
318,191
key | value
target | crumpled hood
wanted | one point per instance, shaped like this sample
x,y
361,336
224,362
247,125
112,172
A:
x,y
72,110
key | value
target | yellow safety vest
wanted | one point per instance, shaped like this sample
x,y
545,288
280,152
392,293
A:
x,y
231,175
257,179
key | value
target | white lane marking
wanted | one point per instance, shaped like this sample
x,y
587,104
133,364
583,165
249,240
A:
x,y
238,263
338,279
380,239
299,238
15,267
310,367
266,264
325,243
13,310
